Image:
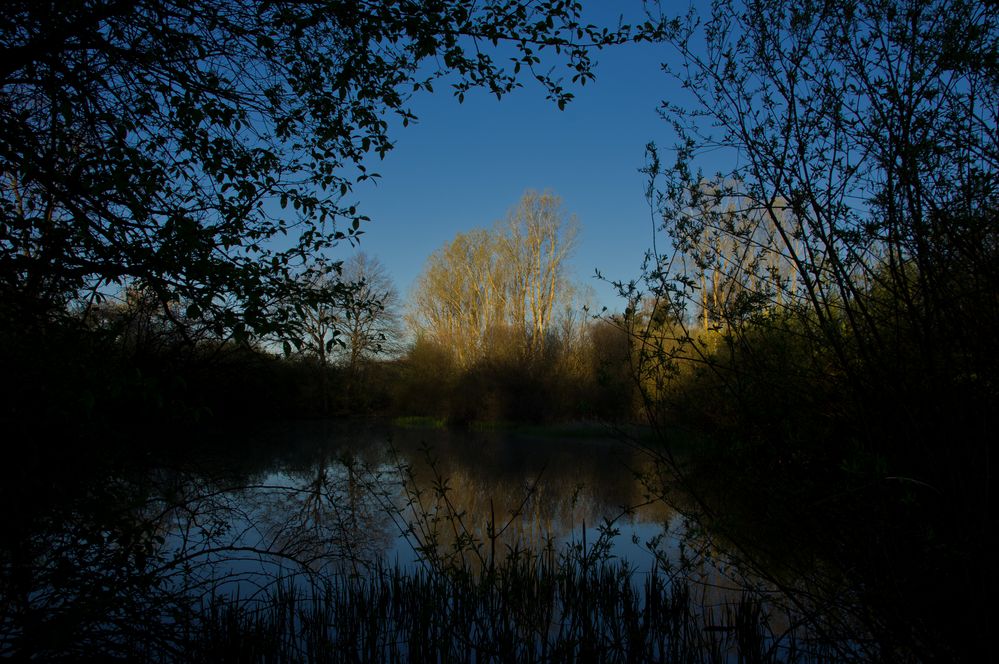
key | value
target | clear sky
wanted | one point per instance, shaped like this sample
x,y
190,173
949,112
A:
x,y
465,165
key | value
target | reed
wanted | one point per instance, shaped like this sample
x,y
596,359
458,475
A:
x,y
528,608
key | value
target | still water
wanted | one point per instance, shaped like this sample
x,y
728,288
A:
x,y
341,498
137,558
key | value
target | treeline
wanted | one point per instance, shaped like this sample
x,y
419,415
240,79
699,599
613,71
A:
x,y
126,363
495,330
586,376
127,358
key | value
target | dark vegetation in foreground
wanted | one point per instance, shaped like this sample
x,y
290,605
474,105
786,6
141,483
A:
x,y
521,611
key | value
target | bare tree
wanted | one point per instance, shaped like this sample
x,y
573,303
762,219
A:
x,y
872,170
535,242
316,329
369,316
484,284
461,294
351,313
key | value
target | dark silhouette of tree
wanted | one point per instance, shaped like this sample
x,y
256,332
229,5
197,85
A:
x,y
315,327
350,317
370,317
844,268
170,142
864,158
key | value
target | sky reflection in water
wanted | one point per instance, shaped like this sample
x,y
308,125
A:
x,y
342,498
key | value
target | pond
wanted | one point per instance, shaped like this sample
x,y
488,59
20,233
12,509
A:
x,y
174,559
320,498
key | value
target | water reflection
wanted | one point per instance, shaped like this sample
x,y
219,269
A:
x,y
342,499
130,559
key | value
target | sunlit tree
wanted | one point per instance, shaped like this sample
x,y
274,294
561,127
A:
x,y
484,286
460,296
534,244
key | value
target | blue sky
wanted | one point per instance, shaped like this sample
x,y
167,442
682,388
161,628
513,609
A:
x,y
465,165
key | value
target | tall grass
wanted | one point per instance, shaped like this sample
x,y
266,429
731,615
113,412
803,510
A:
x,y
530,608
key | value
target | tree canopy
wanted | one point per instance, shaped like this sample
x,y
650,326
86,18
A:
x,y
206,151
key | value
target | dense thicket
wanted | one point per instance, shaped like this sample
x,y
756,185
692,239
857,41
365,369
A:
x,y
823,314
850,252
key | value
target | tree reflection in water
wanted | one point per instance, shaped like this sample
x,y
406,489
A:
x,y
138,563
242,536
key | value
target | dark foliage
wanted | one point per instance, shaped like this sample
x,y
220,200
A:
x,y
821,318
169,143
